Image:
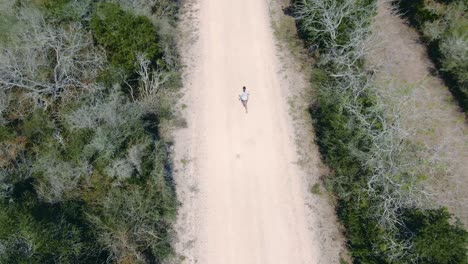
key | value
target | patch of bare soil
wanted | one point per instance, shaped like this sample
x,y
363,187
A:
x,y
187,183
436,125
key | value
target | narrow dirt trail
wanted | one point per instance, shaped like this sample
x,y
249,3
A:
x,y
251,199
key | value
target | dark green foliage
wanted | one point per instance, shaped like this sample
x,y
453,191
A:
x,y
124,35
436,240
38,126
7,22
52,4
361,231
336,132
35,232
76,143
60,11
57,9
417,12
339,136
6,133
444,27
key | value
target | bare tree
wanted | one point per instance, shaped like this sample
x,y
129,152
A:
x,y
324,17
47,60
150,80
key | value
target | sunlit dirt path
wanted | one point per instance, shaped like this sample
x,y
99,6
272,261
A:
x,y
252,207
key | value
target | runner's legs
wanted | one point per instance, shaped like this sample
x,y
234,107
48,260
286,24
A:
x,y
244,103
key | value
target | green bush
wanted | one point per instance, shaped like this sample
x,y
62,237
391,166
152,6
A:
x,y
38,127
52,4
60,12
361,232
136,212
7,25
35,232
125,35
76,142
436,240
6,133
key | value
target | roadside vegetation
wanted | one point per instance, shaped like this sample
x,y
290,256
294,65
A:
x,y
444,27
85,171
378,174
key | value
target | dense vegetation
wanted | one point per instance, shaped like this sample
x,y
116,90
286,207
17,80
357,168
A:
x,y
376,178
444,26
85,174
124,35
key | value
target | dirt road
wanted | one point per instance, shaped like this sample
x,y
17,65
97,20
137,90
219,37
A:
x,y
252,207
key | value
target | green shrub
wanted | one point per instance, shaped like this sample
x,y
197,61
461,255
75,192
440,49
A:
x,y
418,12
436,240
134,222
76,142
124,35
106,128
62,11
7,24
33,232
315,189
52,4
362,232
38,127
6,133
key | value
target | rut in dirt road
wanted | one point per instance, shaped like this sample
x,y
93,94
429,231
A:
x,y
252,198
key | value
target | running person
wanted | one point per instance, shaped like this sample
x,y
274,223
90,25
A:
x,y
244,98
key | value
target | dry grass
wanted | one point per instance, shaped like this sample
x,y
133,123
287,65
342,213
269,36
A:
x,y
185,229
437,126
284,27
10,149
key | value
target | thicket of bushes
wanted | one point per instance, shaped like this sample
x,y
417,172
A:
x,y
444,26
375,177
85,176
124,35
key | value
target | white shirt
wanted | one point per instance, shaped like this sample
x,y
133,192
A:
x,y
244,96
